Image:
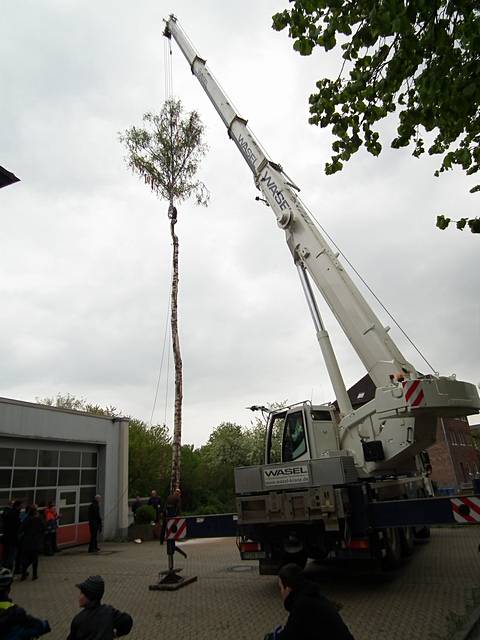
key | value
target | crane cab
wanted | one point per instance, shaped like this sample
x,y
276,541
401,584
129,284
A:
x,y
301,432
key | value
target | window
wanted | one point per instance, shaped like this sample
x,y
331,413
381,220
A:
x,y
35,476
44,496
5,478
24,495
24,478
67,515
68,477
4,498
26,457
294,441
89,459
89,476
47,478
6,457
69,458
87,494
48,458
83,513
275,436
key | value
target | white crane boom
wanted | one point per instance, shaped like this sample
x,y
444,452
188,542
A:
x,y
370,339
386,434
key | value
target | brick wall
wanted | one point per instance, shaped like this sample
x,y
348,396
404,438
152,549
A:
x,y
454,457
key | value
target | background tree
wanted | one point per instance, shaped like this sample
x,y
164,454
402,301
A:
x,y
207,471
149,455
69,401
149,448
166,153
419,57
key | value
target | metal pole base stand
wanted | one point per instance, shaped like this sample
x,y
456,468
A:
x,y
171,581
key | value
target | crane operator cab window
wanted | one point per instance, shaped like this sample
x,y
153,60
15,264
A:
x,y
294,440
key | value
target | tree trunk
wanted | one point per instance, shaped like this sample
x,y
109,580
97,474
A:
x,y
177,422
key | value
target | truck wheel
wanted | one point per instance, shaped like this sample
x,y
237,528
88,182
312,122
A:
x,y
299,558
422,533
393,549
268,567
407,541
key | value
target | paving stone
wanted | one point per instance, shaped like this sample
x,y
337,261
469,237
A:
x,y
231,600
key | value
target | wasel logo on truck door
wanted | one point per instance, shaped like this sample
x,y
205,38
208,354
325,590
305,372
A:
x,y
287,471
286,475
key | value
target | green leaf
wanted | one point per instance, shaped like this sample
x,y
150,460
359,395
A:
x,y
474,225
280,21
303,46
443,222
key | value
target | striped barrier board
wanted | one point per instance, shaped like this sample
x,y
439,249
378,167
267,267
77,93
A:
x,y
176,529
413,391
466,510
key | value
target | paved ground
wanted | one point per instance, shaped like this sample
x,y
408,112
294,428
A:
x,y
231,601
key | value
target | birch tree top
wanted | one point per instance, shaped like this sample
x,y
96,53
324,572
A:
x,y
167,152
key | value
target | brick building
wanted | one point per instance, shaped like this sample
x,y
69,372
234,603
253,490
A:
x,y
455,457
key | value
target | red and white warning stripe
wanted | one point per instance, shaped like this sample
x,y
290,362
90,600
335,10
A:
x,y
176,529
414,396
466,510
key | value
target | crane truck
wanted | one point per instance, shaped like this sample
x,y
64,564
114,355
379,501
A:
x,y
337,482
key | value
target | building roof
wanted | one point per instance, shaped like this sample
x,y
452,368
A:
x,y
361,392
6,177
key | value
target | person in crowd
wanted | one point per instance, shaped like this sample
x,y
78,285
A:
x,y
154,501
32,533
18,560
94,523
11,526
97,621
51,518
311,615
15,623
136,504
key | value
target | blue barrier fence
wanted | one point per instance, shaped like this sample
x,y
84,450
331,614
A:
x,y
217,525
222,525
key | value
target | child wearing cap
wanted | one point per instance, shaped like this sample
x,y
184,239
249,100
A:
x,y
15,621
97,621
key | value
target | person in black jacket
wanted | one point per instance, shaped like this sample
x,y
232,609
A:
x,y
11,526
15,621
32,533
154,501
97,621
311,615
94,524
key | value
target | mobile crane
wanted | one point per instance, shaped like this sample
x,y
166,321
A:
x,y
336,481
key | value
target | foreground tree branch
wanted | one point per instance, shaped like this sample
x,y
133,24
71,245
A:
x,y
420,58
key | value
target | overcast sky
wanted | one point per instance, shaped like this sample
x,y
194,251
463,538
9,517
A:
x,y
85,250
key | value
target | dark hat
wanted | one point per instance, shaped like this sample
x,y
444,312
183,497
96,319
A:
x,y
93,587
6,578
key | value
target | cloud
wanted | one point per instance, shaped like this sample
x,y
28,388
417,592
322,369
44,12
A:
x,y
85,250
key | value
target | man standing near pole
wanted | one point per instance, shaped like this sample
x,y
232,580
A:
x,y
94,523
